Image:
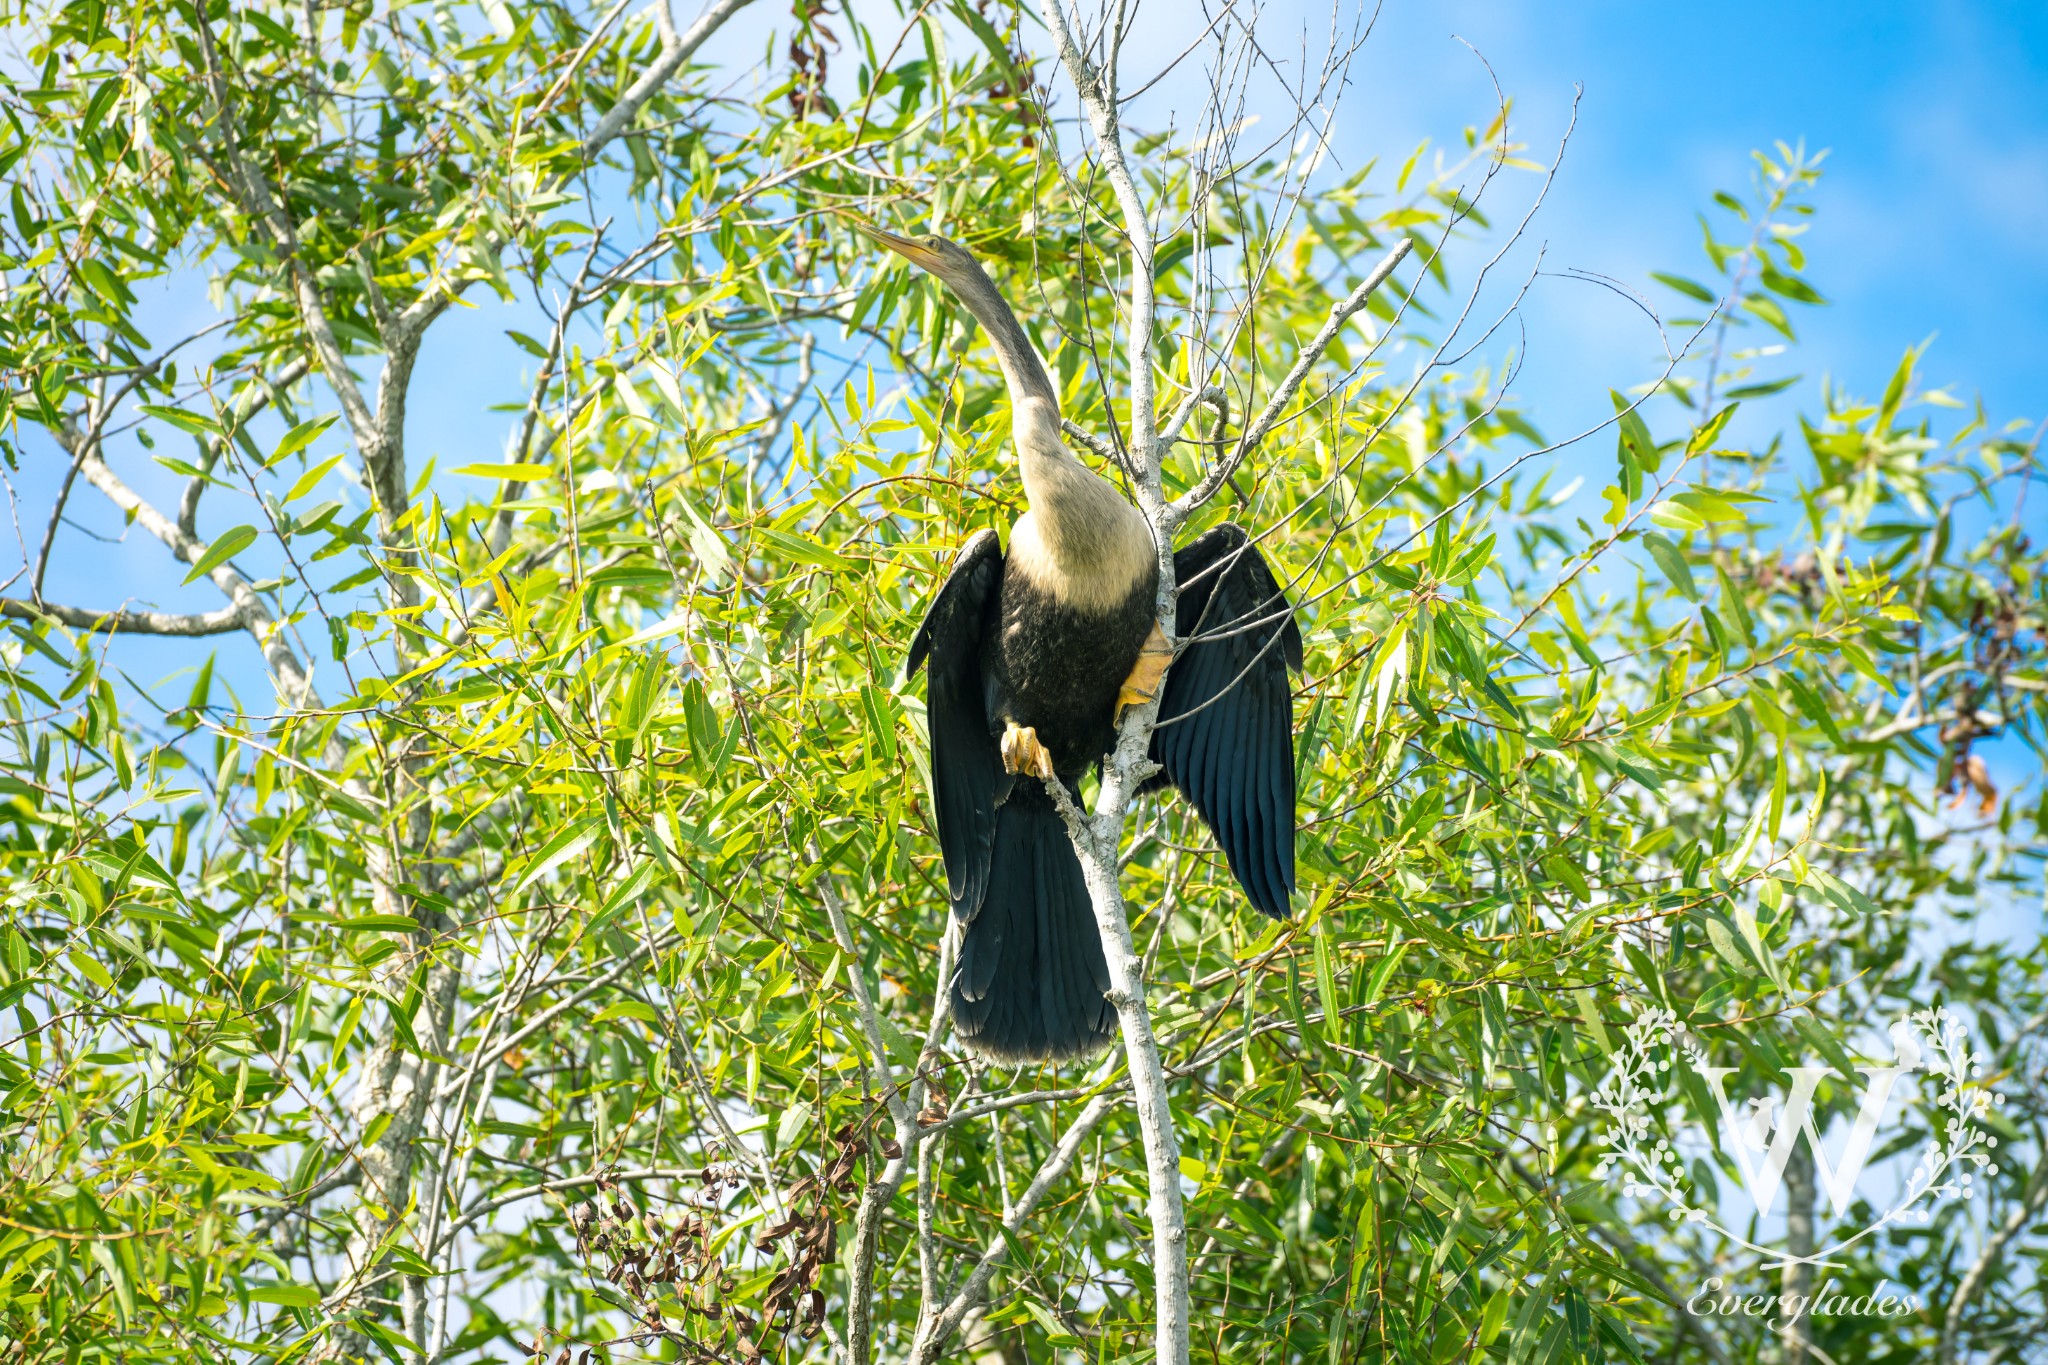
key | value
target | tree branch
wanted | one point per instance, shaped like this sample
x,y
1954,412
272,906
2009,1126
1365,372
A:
x,y
89,442
910,1139
1074,431
295,684
1340,314
1096,841
871,1022
931,1342
260,204
1980,1270
1097,93
119,621
254,399
675,50
490,1206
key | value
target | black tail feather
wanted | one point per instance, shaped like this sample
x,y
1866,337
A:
x,y
1032,981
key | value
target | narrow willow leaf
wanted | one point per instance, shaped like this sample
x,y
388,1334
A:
x,y
225,547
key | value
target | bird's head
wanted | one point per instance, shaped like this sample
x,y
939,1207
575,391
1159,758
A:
x,y
954,266
946,261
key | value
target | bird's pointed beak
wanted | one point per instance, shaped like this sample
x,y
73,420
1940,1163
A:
x,y
909,249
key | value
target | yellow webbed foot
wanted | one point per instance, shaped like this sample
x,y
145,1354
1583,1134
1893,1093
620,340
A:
x,y
1143,684
1023,754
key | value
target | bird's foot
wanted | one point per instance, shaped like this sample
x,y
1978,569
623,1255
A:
x,y
1023,754
1143,684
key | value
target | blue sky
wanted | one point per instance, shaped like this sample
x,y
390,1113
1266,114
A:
x,y
1933,216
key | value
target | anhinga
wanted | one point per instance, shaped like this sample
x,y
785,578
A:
x,y
1032,655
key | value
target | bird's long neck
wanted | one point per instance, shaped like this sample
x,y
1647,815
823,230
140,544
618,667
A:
x,y
1085,523
1089,538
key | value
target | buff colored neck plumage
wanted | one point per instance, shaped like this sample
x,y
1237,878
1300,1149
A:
x,y
1081,542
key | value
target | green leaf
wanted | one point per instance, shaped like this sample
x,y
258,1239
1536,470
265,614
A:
x,y
1382,971
1709,431
794,1120
881,710
298,438
1689,288
1671,559
509,473
1724,944
310,480
1712,506
1895,391
565,845
707,544
626,1009
378,923
1790,286
1636,440
1763,390
1618,1336
990,39
285,1294
229,544
197,423
805,550
1326,984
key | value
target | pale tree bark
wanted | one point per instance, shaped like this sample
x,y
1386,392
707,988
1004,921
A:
x,y
933,1336
1796,1280
903,1101
122,621
1098,837
2023,1214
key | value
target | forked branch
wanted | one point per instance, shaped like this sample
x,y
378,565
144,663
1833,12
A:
x,y
930,1346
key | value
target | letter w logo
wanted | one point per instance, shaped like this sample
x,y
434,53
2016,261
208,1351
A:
x,y
1745,1135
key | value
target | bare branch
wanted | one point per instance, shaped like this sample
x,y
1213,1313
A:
x,y
295,684
1973,1280
1096,840
634,1175
1097,93
881,1192
254,399
871,1022
930,1345
1254,432
258,202
1104,450
675,50
89,442
120,621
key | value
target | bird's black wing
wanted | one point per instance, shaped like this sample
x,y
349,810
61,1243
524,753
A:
x,y
1225,735
968,780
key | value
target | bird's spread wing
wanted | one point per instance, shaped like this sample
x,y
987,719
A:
x,y
1225,735
968,780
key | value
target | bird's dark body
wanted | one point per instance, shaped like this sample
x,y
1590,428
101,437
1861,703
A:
x,y
1057,668
1032,983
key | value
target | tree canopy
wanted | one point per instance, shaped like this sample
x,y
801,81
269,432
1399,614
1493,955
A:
x,y
486,906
